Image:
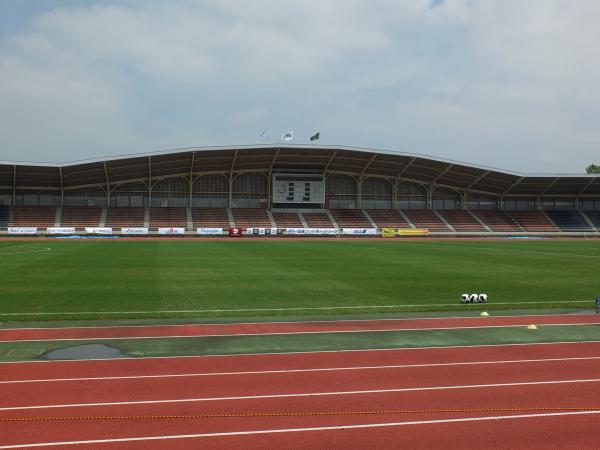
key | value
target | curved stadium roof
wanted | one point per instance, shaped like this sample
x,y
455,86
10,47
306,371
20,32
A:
x,y
361,162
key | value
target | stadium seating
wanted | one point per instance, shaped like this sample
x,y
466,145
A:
x,y
4,213
318,220
533,220
80,216
388,218
498,220
251,218
35,216
287,220
569,220
425,218
210,218
125,217
351,218
461,220
167,217
594,217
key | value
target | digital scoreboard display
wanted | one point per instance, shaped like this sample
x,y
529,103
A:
x,y
298,189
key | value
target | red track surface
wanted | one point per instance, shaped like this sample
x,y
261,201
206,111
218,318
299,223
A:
x,y
289,327
466,382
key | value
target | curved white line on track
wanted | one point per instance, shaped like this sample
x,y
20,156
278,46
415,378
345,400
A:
x,y
313,352
292,322
299,394
299,430
287,333
285,371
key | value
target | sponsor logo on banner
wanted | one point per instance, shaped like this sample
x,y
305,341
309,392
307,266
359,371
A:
x,y
171,231
98,230
134,231
205,231
388,232
312,231
60,230
260,232
412,232
22,230
360,231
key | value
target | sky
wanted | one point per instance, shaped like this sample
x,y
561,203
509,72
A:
x,y
510,84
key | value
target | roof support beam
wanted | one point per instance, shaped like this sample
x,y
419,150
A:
x,y
403,171
512,186
477,180
62,187
444,172
273,161
235,154
552,183
587,185
14,185
362,173
333,155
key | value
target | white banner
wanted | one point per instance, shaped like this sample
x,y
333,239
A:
x,y
60,230
134,231
312,231
260,232
98,230
360,231
171,231
22,230
205,231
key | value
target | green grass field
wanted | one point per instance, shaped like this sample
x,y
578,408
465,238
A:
x,y
133,279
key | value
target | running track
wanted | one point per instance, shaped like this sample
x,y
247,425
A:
x,y
189,330
516,380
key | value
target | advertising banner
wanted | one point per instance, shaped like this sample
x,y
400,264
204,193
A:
x,y
360,231
134,231
311,231
209,231
98,230
260,232
22,230
388,232
60,230
235,232
171,231
412,232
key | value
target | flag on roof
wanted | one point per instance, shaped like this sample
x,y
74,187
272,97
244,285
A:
x,y
316,136
288,135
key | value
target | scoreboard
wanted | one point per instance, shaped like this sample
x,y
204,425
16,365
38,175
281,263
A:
x,y
298,190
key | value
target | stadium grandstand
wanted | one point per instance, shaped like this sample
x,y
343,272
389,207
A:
x,y
294,187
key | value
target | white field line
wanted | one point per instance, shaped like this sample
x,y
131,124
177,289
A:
x,y
388,330
309,370
306,308
300,430
302,322
313,352
298,395
41,250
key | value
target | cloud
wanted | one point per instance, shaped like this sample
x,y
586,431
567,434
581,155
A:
x,y
510,84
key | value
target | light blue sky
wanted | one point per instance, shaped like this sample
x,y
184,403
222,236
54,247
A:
x,y
506,83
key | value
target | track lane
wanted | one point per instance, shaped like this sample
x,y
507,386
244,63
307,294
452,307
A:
x,y
193,330
573,395
282,361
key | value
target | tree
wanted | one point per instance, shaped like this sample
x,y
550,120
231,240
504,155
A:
x,y
592,168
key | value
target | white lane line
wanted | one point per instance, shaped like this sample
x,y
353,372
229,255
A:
x,y
285,371
300,430
301,353
306,308
302,322
383,330
296,395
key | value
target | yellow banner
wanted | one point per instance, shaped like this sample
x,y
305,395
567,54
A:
x,y
412,232
388,232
